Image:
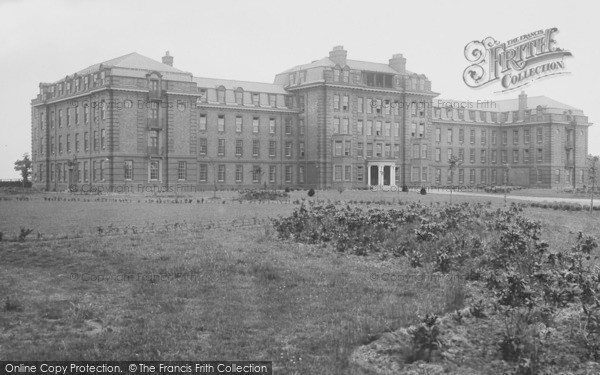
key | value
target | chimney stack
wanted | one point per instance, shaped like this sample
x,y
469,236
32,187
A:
x,y
338,55
167,59
522,105
398,63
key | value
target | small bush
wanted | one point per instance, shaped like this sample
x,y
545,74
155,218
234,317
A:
x,y
425,338
287,189
423,191
404,189
24,233
311,192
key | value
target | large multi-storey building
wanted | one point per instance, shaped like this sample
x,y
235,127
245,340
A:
x,y
133,123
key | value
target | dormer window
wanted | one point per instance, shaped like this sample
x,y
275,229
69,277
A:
x,y
336,75
379,79
292,79
256,99
86,82
273,100
422,84
154,85
346,76
221,95
239,97
302,77
102,78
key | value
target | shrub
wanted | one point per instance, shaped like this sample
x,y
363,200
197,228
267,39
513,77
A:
x,y
311,192
287,189
404,189
423,191
24,233
262,195
425,338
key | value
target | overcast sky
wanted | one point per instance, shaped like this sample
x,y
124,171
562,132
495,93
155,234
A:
x,y
43,41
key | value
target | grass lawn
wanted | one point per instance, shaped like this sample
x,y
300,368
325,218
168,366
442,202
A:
x,y
200,294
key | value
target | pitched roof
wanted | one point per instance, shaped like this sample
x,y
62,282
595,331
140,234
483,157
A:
x,y
509,105
245,85
133,61
352,64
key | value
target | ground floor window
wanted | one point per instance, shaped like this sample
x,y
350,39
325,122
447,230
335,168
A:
x,y
360,173
203,172
288,173
128,166
301,174
347,172
337,172
239,173
221,173
272,174
154,170
182,170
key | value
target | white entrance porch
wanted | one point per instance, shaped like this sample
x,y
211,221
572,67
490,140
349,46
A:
x,y
381,174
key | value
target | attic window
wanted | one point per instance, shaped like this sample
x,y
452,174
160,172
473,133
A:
x,y
378,80
336,75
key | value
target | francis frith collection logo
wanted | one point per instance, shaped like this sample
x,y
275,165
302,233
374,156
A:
x,y
514,63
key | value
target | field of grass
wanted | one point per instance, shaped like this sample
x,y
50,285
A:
x,y
201,292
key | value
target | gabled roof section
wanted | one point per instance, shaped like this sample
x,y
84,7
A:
x,y
325,62
244,85
133,61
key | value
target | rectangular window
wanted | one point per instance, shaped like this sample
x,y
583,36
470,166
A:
x,y
461,136
102,139
525,156
396,129
68,143
86,141
448,154
472,176
449,136
438,176
203,173
360,127
202,123
483,157
483,137
540,157
272,172
338,148
421,130
494,156
379,150
484,176
504,137
221,96
221,147
504,157
239,147
369,105
369,150
472,156
360,173
203,146
515,156
438,154
288,126
424,151
424,174
360,105
494,137
416,151
273,100
345,126
360,149
128,170
557,176
337,172
347,172
472,136
369,127
271,126
461,176
336,102
221,173
494,176
345,103
239,98
154,171
539,135
256,173
301,103
347,148
238,124
515,137
336,125
378,128
301,126
60,148
76,142
461,154
272,147
438,134
239,173
182,170
526,136
255,125
288,149
301,149
255,147
387,129
415,174
288,173
221,123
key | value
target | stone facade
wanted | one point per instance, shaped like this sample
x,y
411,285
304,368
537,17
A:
x,y
133,124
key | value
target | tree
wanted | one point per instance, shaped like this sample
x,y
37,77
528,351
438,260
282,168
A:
x,y
453,163
592,176
24,167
